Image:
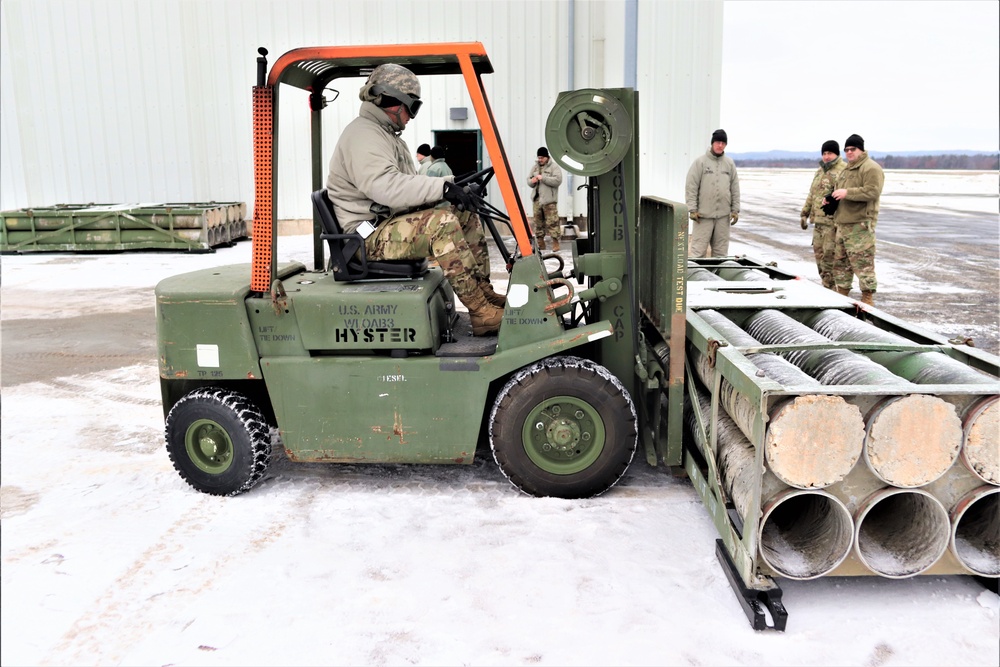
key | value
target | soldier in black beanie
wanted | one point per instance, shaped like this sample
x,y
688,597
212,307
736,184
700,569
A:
x,y
423,159
824,232
858,191
712,195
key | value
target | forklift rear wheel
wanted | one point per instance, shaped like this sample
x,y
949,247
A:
x,y
218,441
563,427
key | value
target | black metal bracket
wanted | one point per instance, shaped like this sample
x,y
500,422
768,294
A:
x,y
753,601
262,66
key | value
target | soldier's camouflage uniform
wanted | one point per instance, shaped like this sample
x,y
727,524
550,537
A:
x,y
544,198
824,232
371,163
855,221
455,239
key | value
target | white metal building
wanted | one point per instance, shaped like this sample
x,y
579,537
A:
x,y
135,101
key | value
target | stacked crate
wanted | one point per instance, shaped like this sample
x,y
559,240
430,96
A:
x,y
194,227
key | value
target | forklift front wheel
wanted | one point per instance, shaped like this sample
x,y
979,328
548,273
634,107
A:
x,y
218,441
563,427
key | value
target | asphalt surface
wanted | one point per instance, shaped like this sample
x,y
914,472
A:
x,y
938,253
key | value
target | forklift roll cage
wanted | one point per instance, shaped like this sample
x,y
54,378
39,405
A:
x,y
312,69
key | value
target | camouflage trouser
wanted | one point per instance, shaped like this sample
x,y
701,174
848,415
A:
x,y
545,220
855,256
824,247
455,239
709,231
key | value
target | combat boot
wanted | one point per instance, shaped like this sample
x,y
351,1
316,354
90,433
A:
x,y
485,317
868,297
498,300
555,244
844,290
541,244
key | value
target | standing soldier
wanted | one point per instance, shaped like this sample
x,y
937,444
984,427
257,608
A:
x,y
824,234
859,188
544,179
712,195
438,165
423,159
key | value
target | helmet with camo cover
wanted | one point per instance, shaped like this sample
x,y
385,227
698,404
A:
x,y
395,82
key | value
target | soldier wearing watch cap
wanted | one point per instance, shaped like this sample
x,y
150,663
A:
x,y
712,195
858,191
824,180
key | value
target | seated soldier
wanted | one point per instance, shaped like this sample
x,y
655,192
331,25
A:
x,y
371,165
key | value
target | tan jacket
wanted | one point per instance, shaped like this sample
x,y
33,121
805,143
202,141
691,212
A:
x,y
372,164
713,188
863,179
546,191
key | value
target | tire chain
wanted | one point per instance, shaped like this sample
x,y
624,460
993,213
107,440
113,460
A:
x,y
251,419
566,361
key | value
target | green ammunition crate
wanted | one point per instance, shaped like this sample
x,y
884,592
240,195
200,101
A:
x,y
193,227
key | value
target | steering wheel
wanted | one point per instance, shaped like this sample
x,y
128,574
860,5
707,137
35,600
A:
x,y
477,180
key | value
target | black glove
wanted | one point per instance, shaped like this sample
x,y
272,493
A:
x,y
830,205
459,196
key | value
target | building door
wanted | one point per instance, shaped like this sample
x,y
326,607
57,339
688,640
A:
x,y
463,150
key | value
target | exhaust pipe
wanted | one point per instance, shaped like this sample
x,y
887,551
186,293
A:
x,y
900,533
912,440
981,450
975,531
805,534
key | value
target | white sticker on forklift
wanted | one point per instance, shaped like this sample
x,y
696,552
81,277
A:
x,y
208,356
517,295
571,162
599,335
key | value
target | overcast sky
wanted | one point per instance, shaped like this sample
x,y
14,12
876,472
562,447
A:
x,y
906,76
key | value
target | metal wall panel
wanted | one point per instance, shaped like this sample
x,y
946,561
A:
x,y
127,101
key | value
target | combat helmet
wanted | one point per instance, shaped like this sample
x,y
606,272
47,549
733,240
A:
x,y
394,82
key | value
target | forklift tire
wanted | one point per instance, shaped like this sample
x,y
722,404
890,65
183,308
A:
x,y
563,427
218,441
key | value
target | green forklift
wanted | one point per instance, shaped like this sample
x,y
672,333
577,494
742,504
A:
x,y
360,361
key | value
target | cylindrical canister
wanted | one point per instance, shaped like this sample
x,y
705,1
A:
x,y
975,531
912,440
900,533
805,534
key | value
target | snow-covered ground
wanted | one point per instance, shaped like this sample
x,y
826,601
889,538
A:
x,y
110,558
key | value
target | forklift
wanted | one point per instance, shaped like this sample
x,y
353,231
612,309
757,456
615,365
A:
x,y
362,361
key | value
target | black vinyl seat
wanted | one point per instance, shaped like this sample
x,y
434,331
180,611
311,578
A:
x,y
348,258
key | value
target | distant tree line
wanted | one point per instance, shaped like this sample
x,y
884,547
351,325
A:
x,y
971,162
